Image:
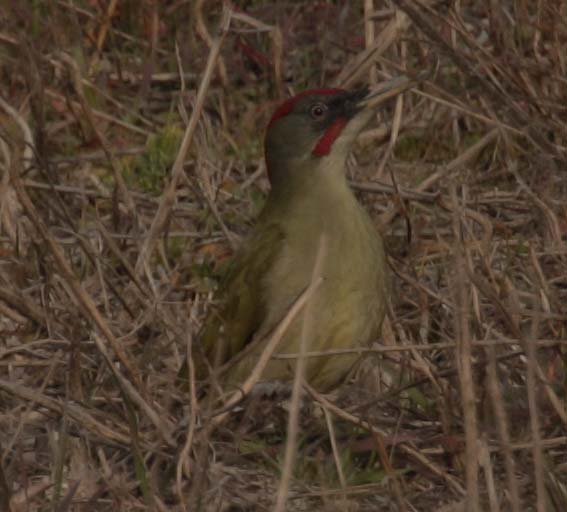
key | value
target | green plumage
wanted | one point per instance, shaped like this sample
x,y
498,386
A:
x,y
309,197
275,265
241,313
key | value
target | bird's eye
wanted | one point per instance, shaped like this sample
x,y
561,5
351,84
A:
x,y
318,110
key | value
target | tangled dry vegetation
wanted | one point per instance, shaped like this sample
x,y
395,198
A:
x,y
131,163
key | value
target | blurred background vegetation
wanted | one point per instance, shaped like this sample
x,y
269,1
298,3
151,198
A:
x,y
109,257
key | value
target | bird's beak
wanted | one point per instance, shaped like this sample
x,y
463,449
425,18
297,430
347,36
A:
x,y
390,89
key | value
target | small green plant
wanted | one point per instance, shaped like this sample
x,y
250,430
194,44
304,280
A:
x,y
149,170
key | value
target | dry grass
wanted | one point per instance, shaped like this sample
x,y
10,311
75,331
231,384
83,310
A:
x,y
105,280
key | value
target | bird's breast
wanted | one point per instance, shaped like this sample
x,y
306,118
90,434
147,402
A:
x,y
352,293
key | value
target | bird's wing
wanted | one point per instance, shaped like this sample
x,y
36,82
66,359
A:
x,y
242,307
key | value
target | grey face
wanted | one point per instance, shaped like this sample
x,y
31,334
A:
x,y
308,125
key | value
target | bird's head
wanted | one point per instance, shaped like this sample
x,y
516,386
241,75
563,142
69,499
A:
x,y
314,130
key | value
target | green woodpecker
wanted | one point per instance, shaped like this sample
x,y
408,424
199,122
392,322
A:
x,y
307,142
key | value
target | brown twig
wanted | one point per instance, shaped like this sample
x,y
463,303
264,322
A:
x,y
463,357
270,345
169,195
416,455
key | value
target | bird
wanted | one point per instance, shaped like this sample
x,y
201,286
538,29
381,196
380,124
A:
x,y
307,141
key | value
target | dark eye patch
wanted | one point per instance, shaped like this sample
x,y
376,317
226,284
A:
x,y
318,111
324,111
336,106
